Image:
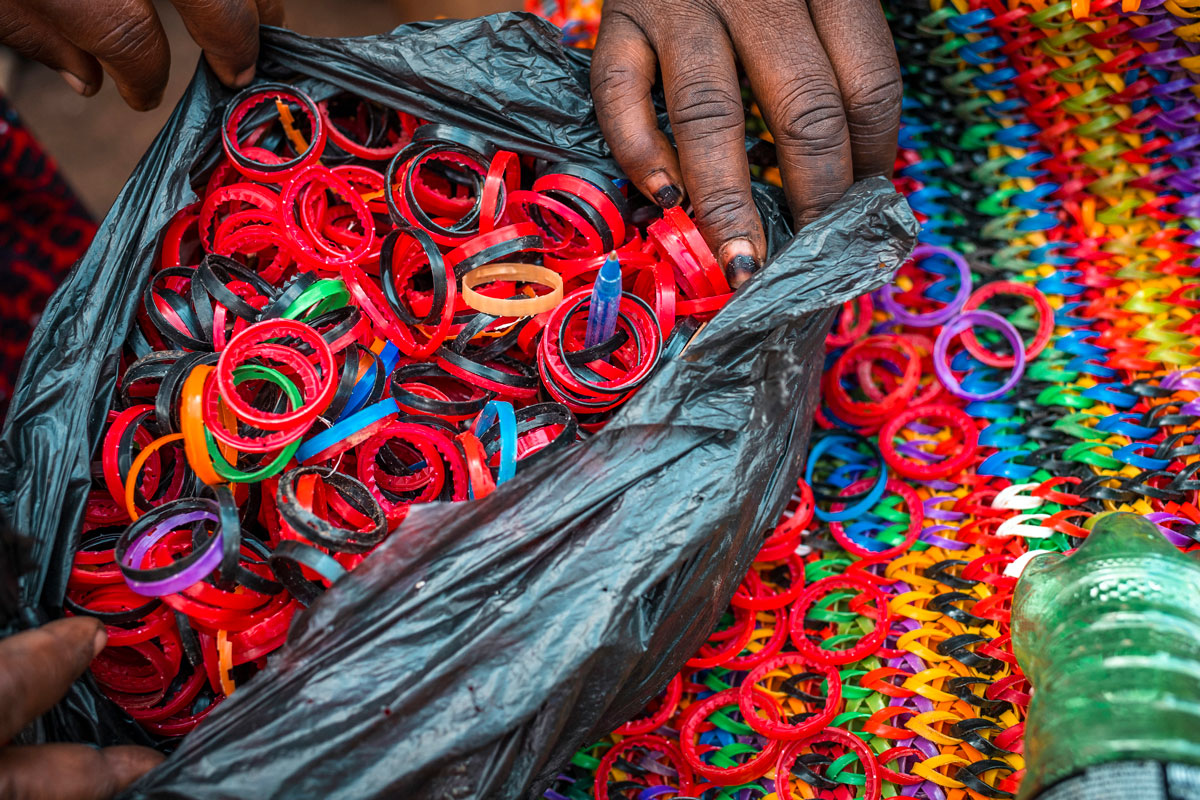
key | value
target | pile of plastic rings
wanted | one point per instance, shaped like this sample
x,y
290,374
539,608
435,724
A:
x,y
361,313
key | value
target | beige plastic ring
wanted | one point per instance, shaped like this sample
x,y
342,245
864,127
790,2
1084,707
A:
x,y
509,271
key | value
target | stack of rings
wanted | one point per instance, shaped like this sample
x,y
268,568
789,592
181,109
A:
x,y
363,312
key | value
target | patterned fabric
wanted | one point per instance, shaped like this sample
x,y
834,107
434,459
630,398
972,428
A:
x,y
44,229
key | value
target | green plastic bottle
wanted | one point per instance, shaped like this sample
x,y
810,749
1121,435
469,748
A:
x,y
1109,638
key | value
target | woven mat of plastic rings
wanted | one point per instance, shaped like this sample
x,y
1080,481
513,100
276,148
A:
x,y
1052,151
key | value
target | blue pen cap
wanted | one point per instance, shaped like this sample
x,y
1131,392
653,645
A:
x,y
605,303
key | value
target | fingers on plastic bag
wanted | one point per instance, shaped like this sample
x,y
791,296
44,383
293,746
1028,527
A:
x,y
72,771
797,91
37,667
227,31
38,40
704,102
623,72
125,36
859,45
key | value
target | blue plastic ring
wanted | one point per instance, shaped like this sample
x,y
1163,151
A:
x,y
859,508
347,427
501,411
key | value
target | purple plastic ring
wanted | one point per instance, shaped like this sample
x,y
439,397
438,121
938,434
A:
x,y
930,537
963,322
939,485
1185,379
137,540
930,319
912,449
933,512
1160,519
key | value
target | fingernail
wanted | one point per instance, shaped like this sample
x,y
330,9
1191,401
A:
x,y
243,78
138,104
99,642
665,193
740,269
668,196
77,84
740,262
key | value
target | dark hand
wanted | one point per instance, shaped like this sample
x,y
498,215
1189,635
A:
x,y
824,74
36,669
125,37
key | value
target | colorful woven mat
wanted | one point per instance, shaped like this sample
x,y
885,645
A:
x,y
1034,365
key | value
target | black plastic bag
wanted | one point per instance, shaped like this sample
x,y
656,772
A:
x,y
484,642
